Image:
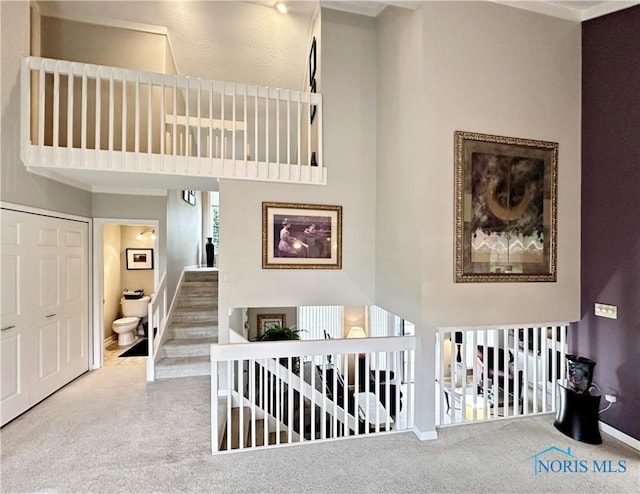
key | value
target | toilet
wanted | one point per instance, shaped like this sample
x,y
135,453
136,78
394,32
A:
x,y
132,311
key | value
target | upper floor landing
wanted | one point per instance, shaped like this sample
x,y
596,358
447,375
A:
x,y
104,128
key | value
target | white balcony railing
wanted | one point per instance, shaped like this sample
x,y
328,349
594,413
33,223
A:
x,y
273,393
497,372
90,117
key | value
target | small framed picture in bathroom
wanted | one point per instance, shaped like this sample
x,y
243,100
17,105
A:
x,y
139,258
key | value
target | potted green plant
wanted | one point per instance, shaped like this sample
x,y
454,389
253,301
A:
x,y
281,333
277,333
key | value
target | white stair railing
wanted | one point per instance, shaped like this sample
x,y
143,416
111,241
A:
x,y
498,372
158,311
77,115
343,396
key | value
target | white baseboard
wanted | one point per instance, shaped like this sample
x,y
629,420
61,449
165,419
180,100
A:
x,y
425,435
620,436
110,339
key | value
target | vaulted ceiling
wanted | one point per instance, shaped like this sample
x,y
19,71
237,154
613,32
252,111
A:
x,y
249,41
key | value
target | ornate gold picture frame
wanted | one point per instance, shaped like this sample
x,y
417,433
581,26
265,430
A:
x,y
301,236
506,213
268,321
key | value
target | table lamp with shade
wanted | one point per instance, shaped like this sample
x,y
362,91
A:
x,y
356,332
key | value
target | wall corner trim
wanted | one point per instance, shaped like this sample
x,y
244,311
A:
x,y
620,436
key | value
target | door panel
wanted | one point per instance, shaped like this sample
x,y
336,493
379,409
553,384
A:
x,y
45,307
48,281
76,342
48,350
10,269
73,279
14,397
48,236
74,238
75,354
10,365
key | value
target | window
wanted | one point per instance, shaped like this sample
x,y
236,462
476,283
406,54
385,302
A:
x,y
215,220
315,320
319,322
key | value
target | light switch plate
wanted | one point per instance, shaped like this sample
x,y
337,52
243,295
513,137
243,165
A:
x,y
605,310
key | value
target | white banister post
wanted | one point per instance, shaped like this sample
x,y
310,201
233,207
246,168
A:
x,y
125,112
149,122
233,128
199,116
56,105
214,405
252,399
111,128
278,131
41,101
70,83
289,129
229,393
136,117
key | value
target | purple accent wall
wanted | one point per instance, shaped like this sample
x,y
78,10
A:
x,y
610,239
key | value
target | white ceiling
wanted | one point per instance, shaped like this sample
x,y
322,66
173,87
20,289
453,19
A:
x,y
248,41
572,10
566,9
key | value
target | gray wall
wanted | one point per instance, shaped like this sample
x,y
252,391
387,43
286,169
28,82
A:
x,y
16,184
349,90
611,211
184,236
486,68
401,174
121,206
83,42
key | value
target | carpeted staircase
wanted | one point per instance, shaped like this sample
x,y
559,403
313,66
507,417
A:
x,y
193,328
246,431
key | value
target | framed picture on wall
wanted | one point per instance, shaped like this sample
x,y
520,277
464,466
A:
x,y
267,321
505,208
301,236
139,258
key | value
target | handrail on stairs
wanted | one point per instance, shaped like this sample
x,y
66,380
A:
x,y
157,323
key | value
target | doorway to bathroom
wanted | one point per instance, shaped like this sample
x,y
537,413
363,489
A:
x,y
125,259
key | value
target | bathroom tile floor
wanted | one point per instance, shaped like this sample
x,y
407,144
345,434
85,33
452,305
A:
x,y
112,352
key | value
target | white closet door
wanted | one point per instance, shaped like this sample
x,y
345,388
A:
x,y
74,349
51,290
14,393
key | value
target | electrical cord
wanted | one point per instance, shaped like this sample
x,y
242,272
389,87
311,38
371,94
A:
x,y
594,385
605,409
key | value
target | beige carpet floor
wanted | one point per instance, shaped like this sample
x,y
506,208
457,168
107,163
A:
x,y
110,431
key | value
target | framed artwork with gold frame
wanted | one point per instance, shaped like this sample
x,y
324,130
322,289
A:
x,y
268,321
505,208
301,236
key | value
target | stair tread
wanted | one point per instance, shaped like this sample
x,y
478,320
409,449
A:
x,y
195,310
191,341
182,361
193,328
202,323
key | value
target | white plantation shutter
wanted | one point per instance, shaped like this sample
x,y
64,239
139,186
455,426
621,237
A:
x,y
315,320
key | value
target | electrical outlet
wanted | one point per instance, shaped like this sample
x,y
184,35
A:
x,y
604,310
610,398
